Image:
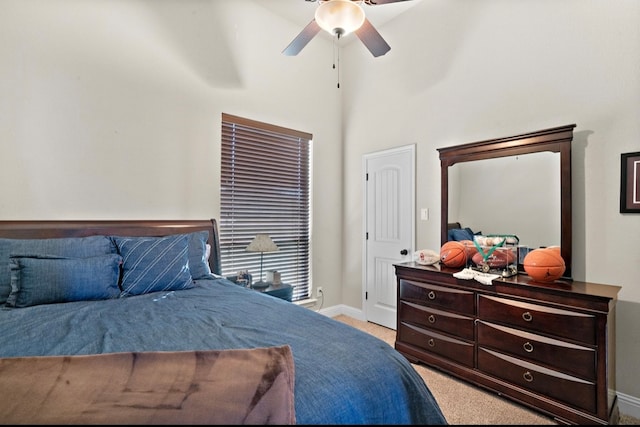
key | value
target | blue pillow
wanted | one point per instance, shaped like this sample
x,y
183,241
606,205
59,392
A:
x,y
152,264
198,260
48,280
459,234
70,247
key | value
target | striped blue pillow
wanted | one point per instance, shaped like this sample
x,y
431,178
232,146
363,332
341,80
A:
x,y
153,264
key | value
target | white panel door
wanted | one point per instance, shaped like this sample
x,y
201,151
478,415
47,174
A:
x,y
389,228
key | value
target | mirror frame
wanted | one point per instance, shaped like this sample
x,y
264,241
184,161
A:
x,y
556,140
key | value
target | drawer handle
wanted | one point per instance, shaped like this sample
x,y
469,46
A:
x,y
431,295
527,377
432,342
527,316
528,347
432,318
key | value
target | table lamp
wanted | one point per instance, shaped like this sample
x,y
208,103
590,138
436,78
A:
x,y
261,243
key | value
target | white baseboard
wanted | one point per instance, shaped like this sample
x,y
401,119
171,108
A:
x,y
343,309
628,405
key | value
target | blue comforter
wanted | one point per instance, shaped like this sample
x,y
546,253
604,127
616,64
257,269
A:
x,y
343,375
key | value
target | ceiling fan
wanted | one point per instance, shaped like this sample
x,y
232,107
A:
x,y
339,18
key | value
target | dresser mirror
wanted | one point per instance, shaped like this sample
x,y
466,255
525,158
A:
x,y
518,185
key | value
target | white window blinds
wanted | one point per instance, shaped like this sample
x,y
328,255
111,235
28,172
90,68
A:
x,y
265,188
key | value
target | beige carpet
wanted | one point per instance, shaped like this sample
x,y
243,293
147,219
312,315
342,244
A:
x,y
462,403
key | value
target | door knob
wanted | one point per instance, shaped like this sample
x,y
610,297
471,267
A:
x,y
404,252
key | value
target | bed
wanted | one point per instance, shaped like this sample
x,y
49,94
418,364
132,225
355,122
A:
x,y
100,324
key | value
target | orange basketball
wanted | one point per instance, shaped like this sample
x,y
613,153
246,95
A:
x,y
555,250
544,265
471,248
453,254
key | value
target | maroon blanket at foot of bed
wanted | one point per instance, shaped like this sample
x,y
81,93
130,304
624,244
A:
x,y
244,386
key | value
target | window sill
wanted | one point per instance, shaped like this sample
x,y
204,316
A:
x,y
307,303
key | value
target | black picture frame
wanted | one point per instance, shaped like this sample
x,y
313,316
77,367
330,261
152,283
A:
x,y
630,182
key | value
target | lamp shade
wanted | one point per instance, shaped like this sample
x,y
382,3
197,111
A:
x,y
262,243
339,17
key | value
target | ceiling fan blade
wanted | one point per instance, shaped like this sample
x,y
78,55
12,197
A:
x,y
377,2
372,39
302,39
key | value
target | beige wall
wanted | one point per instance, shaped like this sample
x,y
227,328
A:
x,y
111,110
462,71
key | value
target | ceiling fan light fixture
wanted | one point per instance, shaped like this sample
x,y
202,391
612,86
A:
x,y
339,17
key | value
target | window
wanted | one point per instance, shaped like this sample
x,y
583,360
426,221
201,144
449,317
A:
x,y
265,189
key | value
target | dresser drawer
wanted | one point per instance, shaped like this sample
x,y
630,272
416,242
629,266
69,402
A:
x,y
558,386
539,318
452,349
437,296
572,359
451,323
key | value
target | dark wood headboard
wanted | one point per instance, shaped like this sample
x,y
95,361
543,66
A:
x,y
63,228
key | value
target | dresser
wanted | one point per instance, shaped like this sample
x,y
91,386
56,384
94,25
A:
x,y
550,347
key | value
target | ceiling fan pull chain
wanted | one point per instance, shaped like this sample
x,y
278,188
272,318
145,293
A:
x,y
333,51
336,56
